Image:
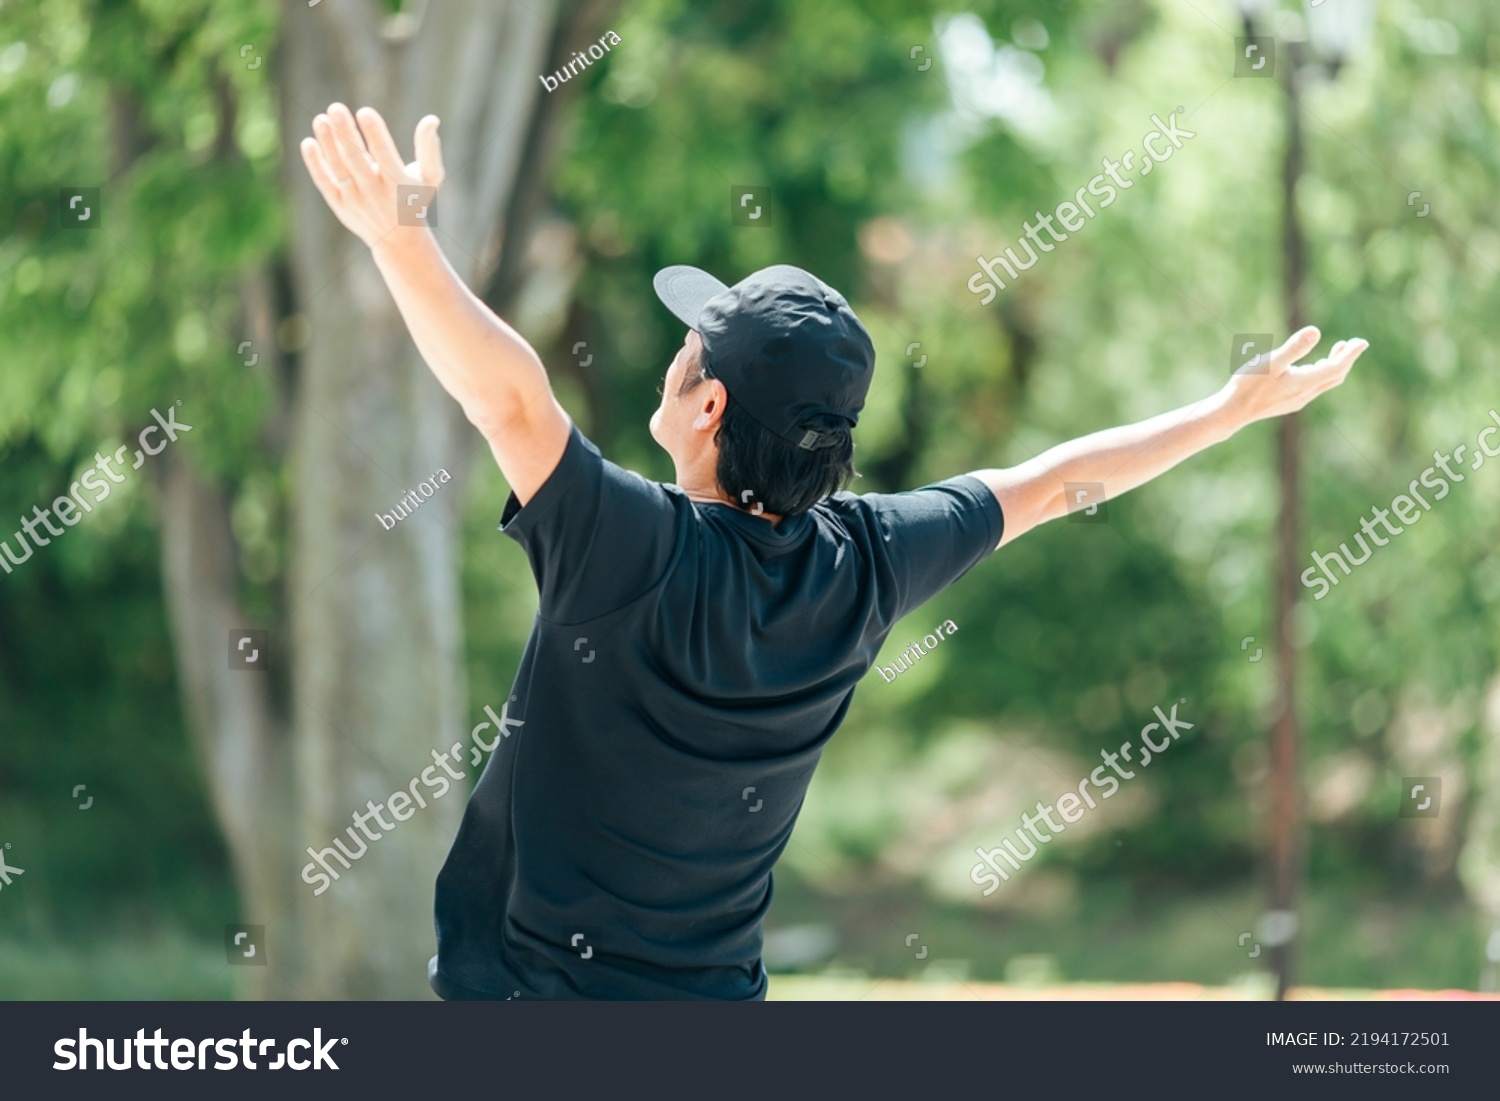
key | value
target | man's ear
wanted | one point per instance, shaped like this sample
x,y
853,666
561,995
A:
x,y
711,398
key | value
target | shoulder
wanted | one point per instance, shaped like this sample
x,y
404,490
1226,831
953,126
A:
x,y
957,512
590,506
963,493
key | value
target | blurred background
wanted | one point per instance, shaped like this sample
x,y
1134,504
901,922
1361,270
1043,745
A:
x,y
160,788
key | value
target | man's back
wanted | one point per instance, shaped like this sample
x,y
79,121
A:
x,y
688,663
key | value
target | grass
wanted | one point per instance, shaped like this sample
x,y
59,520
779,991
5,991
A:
x,y
820,988
167,965
1351,939
1355,943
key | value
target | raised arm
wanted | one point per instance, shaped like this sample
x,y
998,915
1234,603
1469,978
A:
x,y
1122,458
488,368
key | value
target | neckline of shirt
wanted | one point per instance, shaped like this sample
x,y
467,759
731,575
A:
x,y
790,531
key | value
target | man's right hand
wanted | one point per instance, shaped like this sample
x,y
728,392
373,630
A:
x,y
358,170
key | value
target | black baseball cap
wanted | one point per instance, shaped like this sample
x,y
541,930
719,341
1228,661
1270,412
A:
x,y
785,344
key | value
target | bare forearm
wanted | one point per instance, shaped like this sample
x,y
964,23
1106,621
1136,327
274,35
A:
x,y
1120,459
488,368
1117,460
1104,465
480,360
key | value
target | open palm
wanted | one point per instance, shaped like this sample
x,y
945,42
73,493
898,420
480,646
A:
x,y
1283,386
358,170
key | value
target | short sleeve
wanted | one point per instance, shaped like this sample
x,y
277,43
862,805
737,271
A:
x,y
930,537
598,536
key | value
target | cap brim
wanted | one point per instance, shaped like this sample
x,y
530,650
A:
x,y
685,290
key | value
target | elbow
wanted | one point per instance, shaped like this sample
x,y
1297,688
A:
x,y
493,419
501,405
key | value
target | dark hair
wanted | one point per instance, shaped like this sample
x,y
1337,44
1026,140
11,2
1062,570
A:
x,y
758,467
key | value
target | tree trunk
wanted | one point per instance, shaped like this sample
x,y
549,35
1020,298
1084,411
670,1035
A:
x,y
240,746
376,628
1286,828
368,647
1479,863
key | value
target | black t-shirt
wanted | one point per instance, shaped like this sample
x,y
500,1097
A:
x,y
687,665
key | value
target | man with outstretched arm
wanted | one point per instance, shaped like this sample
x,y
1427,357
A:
x,y
696,643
